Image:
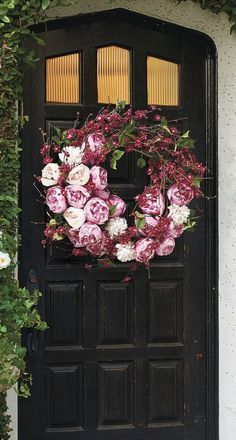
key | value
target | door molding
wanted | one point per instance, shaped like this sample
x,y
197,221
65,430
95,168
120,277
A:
x,y
144,21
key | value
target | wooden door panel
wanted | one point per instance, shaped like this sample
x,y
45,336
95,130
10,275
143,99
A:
x,y
165,384
64,313
65,397
115,313
165,312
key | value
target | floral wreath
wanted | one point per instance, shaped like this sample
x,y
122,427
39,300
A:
x,y
80,205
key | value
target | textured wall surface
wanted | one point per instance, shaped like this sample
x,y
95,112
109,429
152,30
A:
x,y
217,27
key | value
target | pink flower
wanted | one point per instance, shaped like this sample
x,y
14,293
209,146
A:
x,y
151,223
102,247
79,175
50,174
77,196
180,194
71,155
96,142
96,211
73,235
144,250
151,201
75,217
166,247
175,230
118,203
89,234
55,200
103,194
98,177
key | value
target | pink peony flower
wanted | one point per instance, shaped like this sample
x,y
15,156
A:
x,y
119,204
151,222
89,234
77,196
50,174
96,211
103,194
55,200
79,175
180,194
98,177
166,247
72,155
101,247
75,217
144,250
151,201
96,141
175,230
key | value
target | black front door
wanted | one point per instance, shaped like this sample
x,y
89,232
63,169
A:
x,y
119,361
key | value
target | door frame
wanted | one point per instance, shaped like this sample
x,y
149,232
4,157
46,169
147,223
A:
x,y
212,320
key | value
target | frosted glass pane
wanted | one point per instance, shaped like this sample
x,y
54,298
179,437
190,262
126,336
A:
x,y
113,74
162,82
63,79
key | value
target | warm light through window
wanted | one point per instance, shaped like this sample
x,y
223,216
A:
x,y
113,74
162,82
63,79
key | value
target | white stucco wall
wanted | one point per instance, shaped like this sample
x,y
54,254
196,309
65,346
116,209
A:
x,y
217,27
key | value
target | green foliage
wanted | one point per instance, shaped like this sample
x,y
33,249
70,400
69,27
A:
x,y
140,221
17,306
4,419
216,6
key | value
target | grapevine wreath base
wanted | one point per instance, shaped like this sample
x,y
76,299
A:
x,y
81,207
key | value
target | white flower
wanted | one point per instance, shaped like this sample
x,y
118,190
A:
x,y
50,174
72,155
125,252
179,214
4,260
1,234
79,175
75,217
116,226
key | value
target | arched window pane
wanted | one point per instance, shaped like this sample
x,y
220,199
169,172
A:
x,y
162,82
113,75
63,79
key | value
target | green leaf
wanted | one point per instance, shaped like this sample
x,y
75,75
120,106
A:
x,y
121,139
40,41
112,209
141,162
120,105
140,223
139,214
117,154
129,129
58,237
3,329
113,164
6,19
197,181
57,130
45,4
53,222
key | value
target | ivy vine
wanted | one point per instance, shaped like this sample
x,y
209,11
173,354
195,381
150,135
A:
x,y
216,6
17,306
